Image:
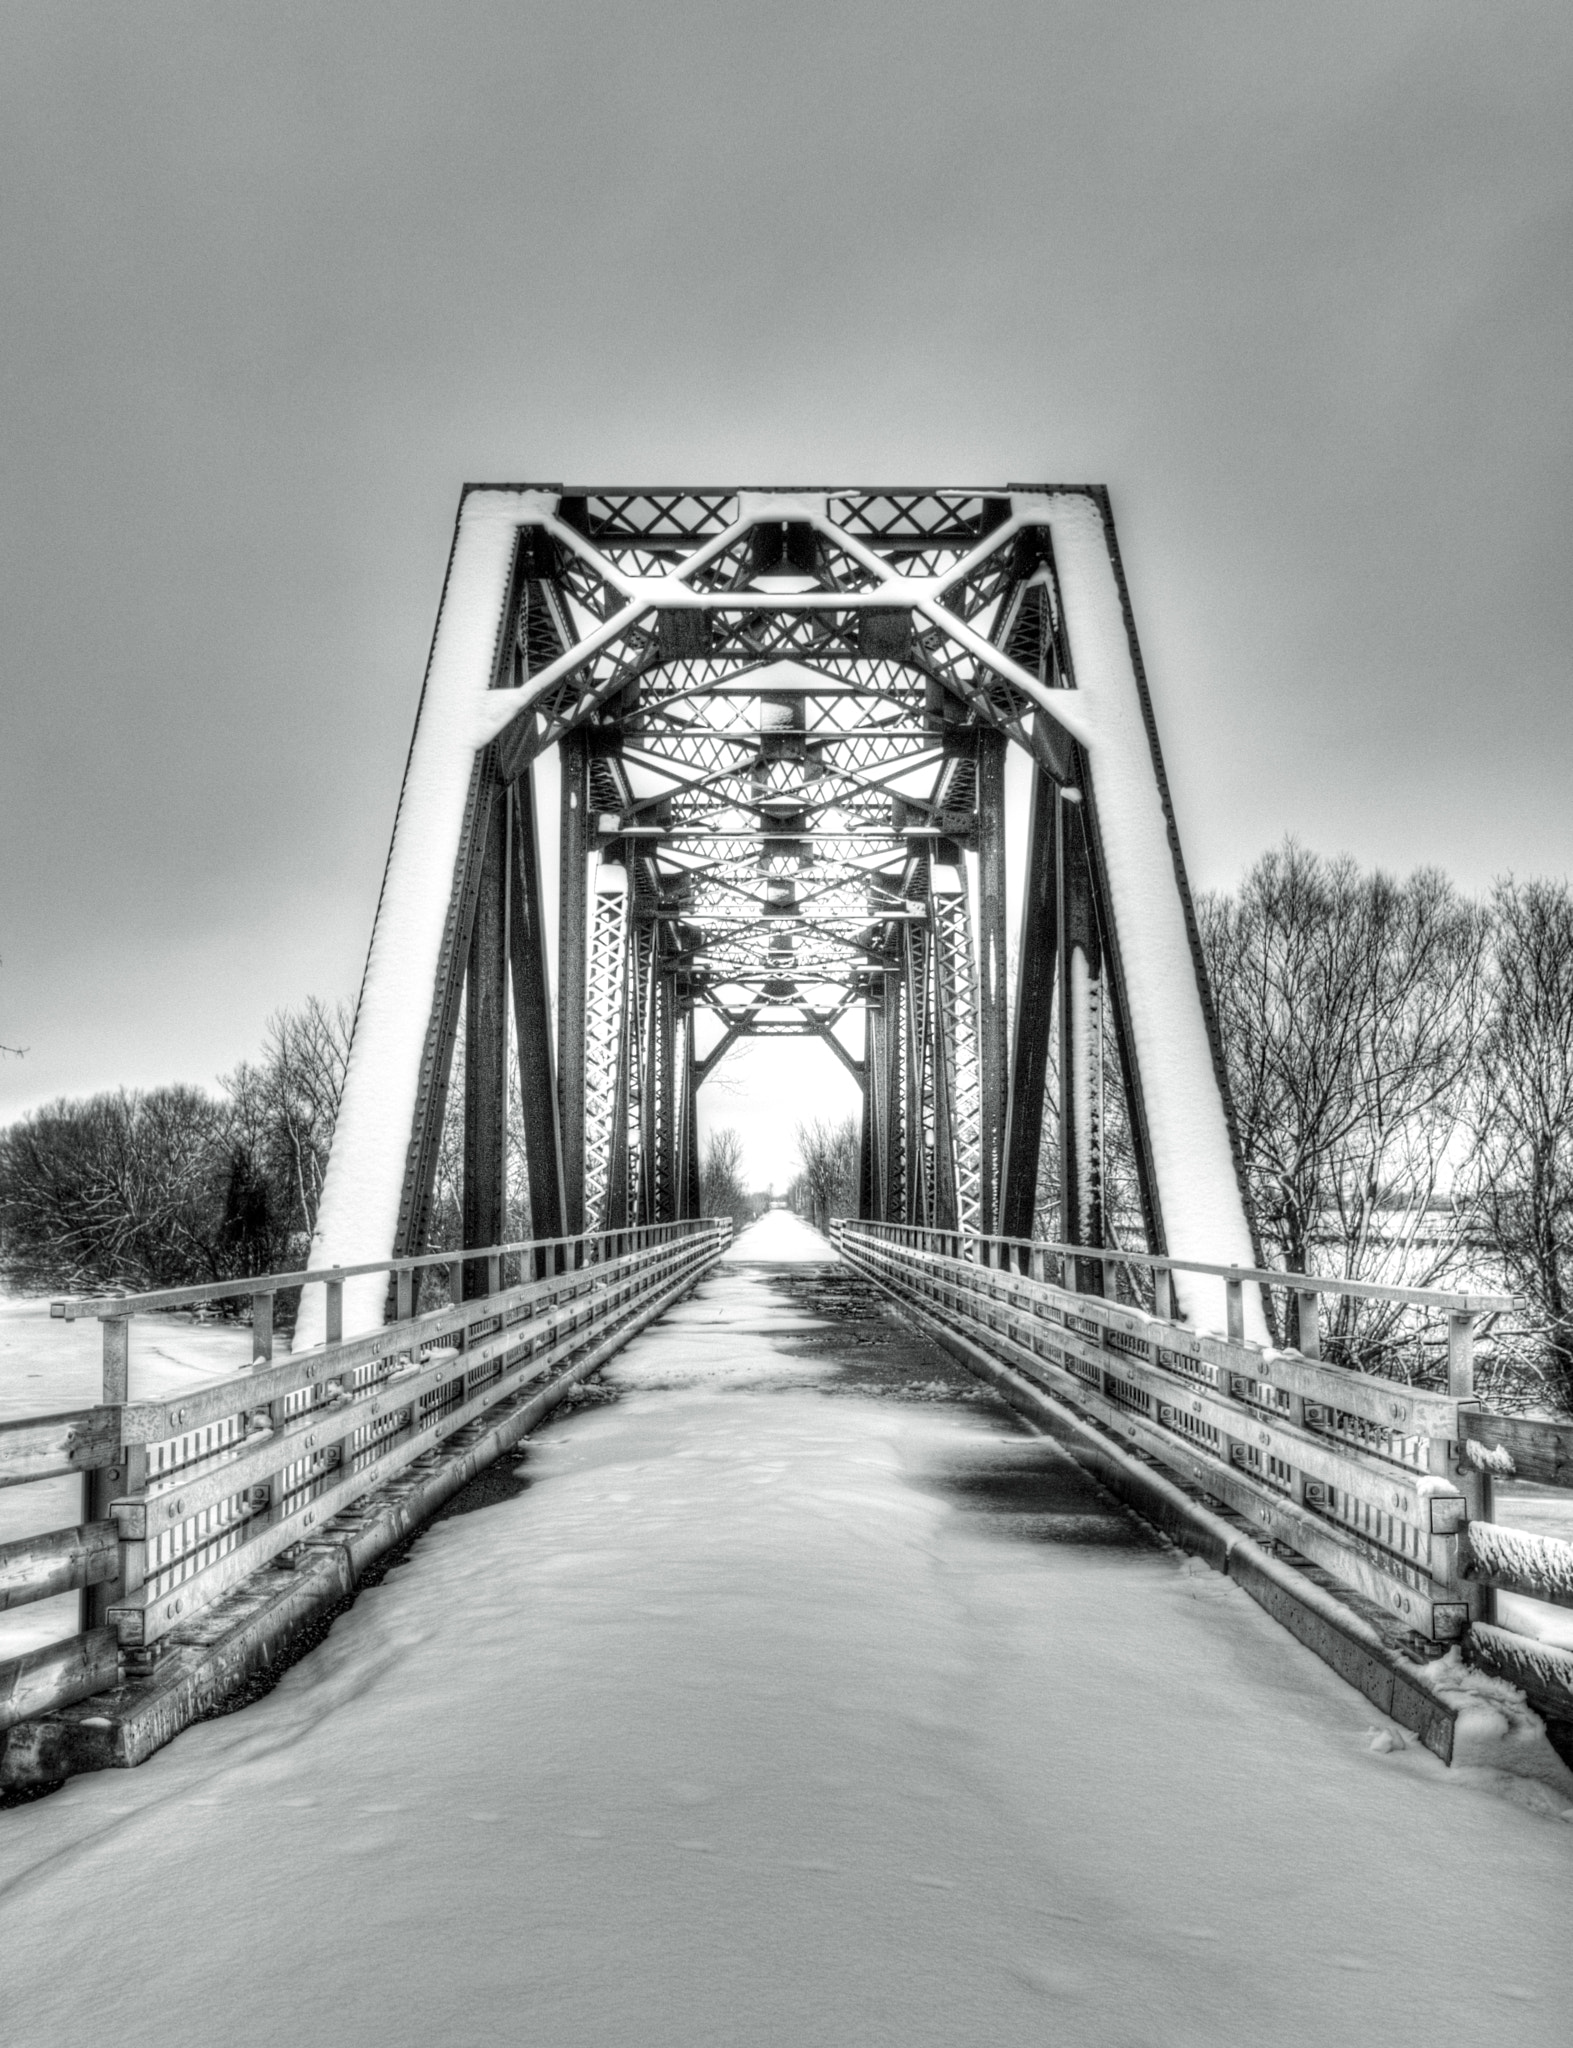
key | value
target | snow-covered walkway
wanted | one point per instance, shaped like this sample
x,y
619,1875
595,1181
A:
x,y
782,1709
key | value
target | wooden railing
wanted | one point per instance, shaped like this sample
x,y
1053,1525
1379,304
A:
x,y
185,1498
1384,1485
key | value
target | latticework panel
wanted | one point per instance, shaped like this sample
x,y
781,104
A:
x,y
603,1040
956,1016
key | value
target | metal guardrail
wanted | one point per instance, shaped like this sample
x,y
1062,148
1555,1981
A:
x,y
1385,1486
186,1498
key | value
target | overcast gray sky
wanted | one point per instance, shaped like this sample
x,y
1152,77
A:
x,y
1293,281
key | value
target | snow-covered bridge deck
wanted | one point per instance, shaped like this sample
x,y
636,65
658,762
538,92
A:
x,y
785,1707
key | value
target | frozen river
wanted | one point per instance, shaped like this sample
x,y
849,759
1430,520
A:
x,y
783,1706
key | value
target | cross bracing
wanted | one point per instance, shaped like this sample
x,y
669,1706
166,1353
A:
x,y
780,718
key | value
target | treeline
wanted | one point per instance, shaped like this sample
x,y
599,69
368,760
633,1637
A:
x,y
1400,1061
166,1187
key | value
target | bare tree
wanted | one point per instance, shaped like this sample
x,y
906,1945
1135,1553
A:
x,y
286,1105
828,1155
1352,1007
1525,1111
125,1190
721,1189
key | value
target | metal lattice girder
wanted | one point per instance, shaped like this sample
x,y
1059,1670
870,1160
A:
x,y
604,1029
960,1104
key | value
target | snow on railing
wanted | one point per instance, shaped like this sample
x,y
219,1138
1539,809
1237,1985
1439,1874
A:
x,y
1384,1485
185,1499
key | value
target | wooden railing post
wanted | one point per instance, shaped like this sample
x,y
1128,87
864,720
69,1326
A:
x,y
1234,1293
262,1327
404,1294
1473,1483
1163,1294
100,1487
333,1318
1308,1324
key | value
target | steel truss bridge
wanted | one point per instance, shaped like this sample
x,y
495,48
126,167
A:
x,y
778,723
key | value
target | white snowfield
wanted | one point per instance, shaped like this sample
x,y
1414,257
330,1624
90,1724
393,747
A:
x,y
740,1727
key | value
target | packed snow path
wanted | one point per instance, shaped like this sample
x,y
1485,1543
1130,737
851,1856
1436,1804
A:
x,y
782,1709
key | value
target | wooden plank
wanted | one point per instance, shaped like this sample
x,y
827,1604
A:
x,y
58,1674
1389,1403
1392,1488
1540,1451
259,1462
60,1561
1541,1671
1272,1513
145,1617
259,1619
1362,1290
44,1446
154,1421
1540,1567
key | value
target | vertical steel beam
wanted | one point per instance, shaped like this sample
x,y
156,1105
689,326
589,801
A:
x,y
543,1147
573,950
1117,1008
1035,972
1081,1047
868,1125
486,1054
689,1205
893,1130
664,1177
436,1068
917,1077
604,1027
958,1142
993,1054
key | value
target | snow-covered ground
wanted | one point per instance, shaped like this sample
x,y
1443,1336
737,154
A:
x,y
778,1710
48,1368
